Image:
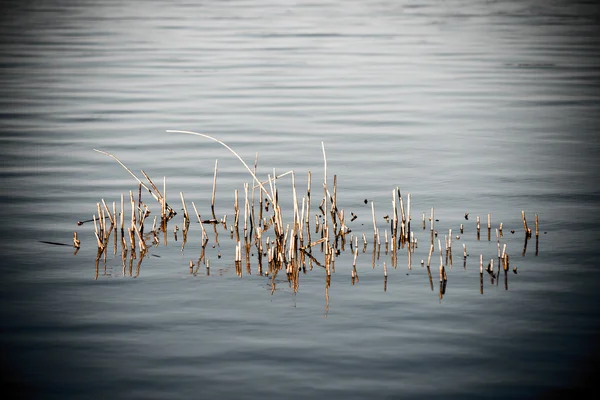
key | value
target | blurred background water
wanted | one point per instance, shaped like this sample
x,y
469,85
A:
x,y
471,106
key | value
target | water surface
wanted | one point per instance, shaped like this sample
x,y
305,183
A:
x,y
479,107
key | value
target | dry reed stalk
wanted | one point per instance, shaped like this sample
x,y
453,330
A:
x,y
76,241
164,200
214,189
186,216
424,225
489,225
402,218
374,223
498,241
374,252
478,227
140,239
295,200
429,256
156,194
204,234
231,150
481,273
386,241
334,200
316,242
324,174
154,225
537,226
246,211
407,233
97,231
301,220
481,263
527,229
100,221
110,217
443,276
122,216
394,226
131,233
132,202
253,214
236,209
432,220
333,209
128,170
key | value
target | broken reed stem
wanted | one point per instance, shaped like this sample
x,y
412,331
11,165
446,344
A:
x,y
186,216
164,199
374,223
76,241
204,234
140,239
431,220
132,202
236,210
429,257
407,233
443,277
324,166
246,209
394,215
527,229
122,216
110,217
126,169
157,196
214,190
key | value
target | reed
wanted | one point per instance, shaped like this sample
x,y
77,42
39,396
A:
x,y
214,189
292,245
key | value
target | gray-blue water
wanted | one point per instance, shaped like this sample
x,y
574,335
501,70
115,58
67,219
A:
x,y
470,106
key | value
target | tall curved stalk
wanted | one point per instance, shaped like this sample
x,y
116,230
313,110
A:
x,y
231,150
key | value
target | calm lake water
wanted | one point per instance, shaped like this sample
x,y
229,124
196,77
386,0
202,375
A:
x,y
469,106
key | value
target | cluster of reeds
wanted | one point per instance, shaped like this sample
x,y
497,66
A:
x,y
283,245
